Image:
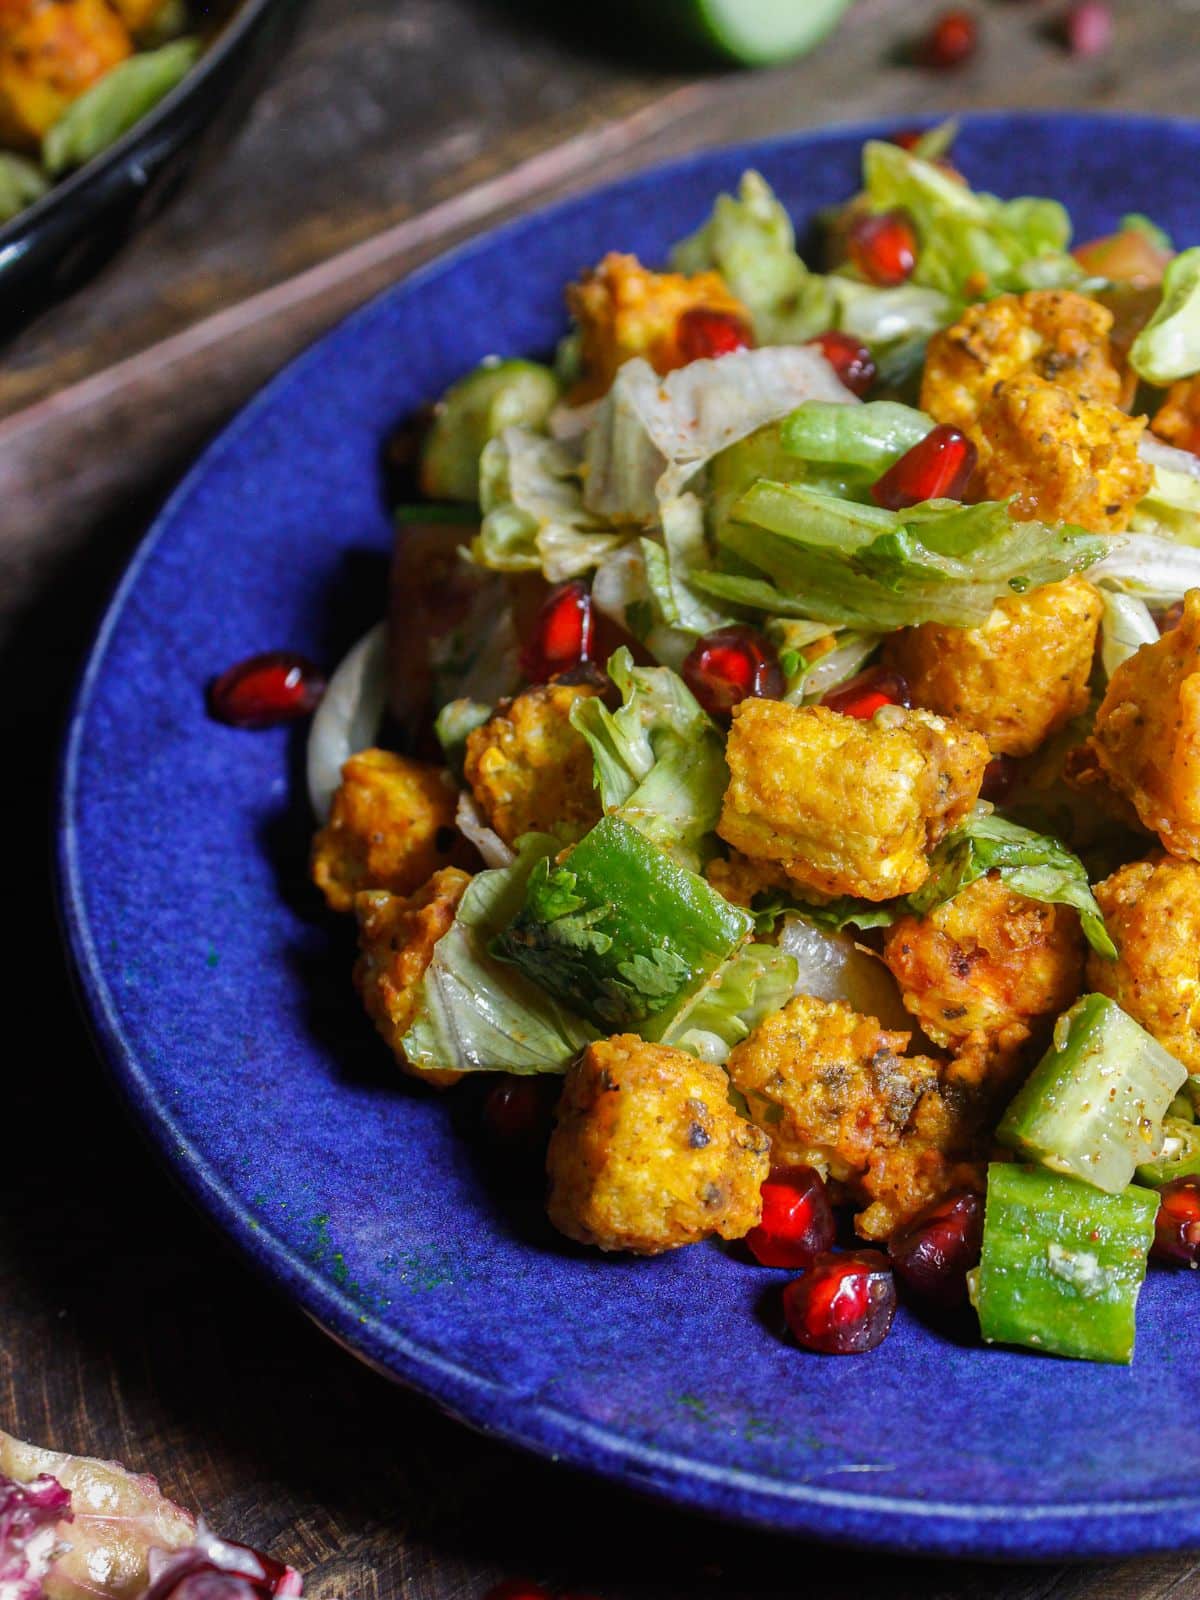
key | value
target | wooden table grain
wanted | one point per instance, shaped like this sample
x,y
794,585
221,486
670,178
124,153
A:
x,y
127,1328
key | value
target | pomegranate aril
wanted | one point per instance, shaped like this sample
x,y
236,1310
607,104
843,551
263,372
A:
x,y
951,41
883,246
797,1221
517,1111
265,690
844,1303
1177,1228
562,636
939,468
873,689
1088,28
998,778
852,361
731,665
702,335
933,1255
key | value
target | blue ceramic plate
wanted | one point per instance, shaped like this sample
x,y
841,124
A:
x,y
222,999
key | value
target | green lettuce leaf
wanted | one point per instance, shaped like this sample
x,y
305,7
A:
x,y
1168,347
871,436
970,244
757,981
479,1014
660,759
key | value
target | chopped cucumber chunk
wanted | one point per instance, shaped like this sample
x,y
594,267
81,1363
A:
x,y
1178,1158
1093,1107
476,409
620,932
754,32
1062,1264
1183,1106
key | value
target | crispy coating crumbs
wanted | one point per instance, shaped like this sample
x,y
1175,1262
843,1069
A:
x,y
396,936
1146,737
981,676
624,310
987,966
530,771
391,825
1152,910
845,806
49,54
649,1154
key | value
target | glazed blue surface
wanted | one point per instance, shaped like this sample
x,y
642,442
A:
x,y
221,996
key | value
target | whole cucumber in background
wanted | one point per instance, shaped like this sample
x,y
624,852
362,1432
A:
x,y
115,103
752,32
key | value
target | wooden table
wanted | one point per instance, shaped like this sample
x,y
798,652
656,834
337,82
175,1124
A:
x,y
127,1328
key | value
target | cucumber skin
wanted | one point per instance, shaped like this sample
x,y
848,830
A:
x,y
700,23
496,395
1048,1121
1022,1301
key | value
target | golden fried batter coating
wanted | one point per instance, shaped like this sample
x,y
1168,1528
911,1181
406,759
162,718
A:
x,y
1053,334
739,879
1178,418
396,936
530,771
390,827
49,54
1147,733
845,806
940,1150
1152,910
1019,677
648,1153
624,310
986,966
137,15
1063,459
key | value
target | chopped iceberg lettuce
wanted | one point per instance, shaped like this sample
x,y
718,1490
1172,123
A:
x,y
1126,626
758,980
1168,347
535,519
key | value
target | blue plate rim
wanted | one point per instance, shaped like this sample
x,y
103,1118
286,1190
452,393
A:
x,y
868,1520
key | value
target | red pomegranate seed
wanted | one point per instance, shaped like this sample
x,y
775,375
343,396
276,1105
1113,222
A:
x,y
939,468
933,1255
265,690
998,778
797,1221
562,637
1088,28
843,1305
1177,1228
852,361
951,41
863,696
732,665
518,1111
883,246
703,335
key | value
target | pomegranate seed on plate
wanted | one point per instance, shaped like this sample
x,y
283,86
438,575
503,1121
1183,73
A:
x,y
883,246
939,468
797,1221
1177,1228
1088,28
518,1111
868,693
998,778
731,665
265,690
951,41
703,335
933,1255
562,636
844,1303
852,361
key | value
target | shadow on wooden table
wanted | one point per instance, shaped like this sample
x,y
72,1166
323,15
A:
x,y
130,1330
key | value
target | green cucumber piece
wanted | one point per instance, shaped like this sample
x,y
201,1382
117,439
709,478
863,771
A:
x,y
1093,1107
1191,1093
114,103
1178,1158
473,411
1062,1264
620,932
1183,1106
751,32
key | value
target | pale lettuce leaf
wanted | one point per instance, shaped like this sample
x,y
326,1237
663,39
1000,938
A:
x,y
1168,347
756,981
1126,626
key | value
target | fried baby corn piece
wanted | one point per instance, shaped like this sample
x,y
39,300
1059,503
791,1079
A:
x,y
1178,418
50,52
940,1150
396,936
1152,910
623,310
648,1153
1019,677
1146,738
845,806
391,825
986,967
530,771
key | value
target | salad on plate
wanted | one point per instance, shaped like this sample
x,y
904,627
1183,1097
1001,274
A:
x,y
783,757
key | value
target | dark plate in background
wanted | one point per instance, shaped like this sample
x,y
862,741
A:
x,y
50,247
